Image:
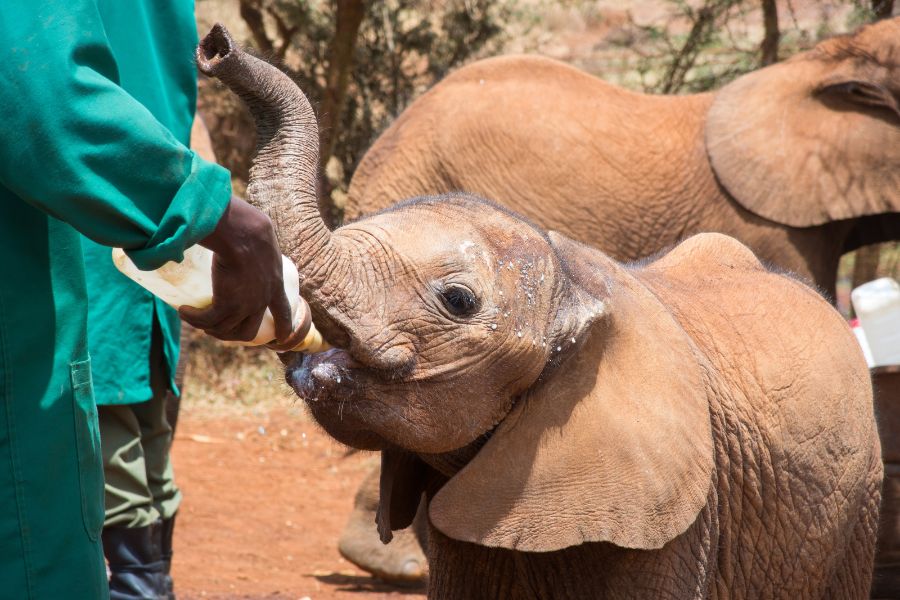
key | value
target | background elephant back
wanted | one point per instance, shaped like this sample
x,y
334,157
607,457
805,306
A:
x,y
551,143
794,425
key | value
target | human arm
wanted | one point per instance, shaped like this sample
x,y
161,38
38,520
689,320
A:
x,y
76,145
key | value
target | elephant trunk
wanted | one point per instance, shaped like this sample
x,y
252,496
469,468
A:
x,y
284,174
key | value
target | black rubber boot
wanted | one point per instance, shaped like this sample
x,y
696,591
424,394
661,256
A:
x,y
168,528
137,571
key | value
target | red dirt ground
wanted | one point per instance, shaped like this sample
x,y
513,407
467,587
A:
x,y
265,498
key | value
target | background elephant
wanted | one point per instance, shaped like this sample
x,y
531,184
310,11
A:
x,y
698,427
800,161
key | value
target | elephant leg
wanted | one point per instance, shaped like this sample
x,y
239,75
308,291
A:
x,y
886,577
400,562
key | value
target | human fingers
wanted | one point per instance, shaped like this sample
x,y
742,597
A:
x,y
201,318
249,327
281,313
304,323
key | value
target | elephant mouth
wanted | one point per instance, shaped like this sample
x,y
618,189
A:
x,y
323,375
338,373
332,384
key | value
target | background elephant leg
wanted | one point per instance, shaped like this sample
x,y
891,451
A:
x,y
400,562
886,578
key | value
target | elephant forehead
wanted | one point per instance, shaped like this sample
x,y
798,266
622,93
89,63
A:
x,y
444,249
441,243
456,236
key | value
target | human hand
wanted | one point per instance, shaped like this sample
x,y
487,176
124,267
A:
x,y
246,278
304,325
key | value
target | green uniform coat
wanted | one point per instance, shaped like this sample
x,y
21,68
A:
x,y
76,152
155,69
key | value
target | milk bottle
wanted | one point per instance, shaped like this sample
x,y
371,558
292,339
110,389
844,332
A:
x,y
190,283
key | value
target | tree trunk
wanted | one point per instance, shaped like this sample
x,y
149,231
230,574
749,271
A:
x,y
769,46
253,17
704,21
348,18
865,267
883,9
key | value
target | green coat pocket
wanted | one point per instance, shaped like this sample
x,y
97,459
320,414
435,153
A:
x,y
87,440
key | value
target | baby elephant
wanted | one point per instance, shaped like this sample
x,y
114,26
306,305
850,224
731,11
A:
x,y
694,427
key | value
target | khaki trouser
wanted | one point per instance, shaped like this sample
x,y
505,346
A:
x,y
135,440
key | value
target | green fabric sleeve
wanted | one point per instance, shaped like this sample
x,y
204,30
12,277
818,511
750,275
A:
x,y
83,150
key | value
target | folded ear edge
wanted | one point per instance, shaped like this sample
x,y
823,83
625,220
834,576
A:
x,y
784,153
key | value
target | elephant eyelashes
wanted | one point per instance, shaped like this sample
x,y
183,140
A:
x,y
459,300
861,92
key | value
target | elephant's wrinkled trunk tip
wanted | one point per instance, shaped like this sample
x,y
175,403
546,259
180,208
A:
x,y
283,177
213,49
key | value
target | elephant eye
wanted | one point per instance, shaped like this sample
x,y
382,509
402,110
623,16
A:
x,y
459,300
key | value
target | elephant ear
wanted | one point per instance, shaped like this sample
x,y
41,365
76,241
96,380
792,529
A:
x,y
808,141
614,445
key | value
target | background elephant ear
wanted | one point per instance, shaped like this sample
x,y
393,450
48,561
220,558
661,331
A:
x,y
808,141
615,445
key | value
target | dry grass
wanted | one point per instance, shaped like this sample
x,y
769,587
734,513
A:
x,y
221,379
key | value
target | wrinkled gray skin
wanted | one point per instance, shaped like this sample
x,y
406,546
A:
x,y
694,428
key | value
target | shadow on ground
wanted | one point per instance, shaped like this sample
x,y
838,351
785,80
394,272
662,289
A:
x,y
365,584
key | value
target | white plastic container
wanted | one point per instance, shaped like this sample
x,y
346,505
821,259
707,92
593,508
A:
x,y
860,334
190,283
877,305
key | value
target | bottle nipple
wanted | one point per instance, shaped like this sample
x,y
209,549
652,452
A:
x,y
312,340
